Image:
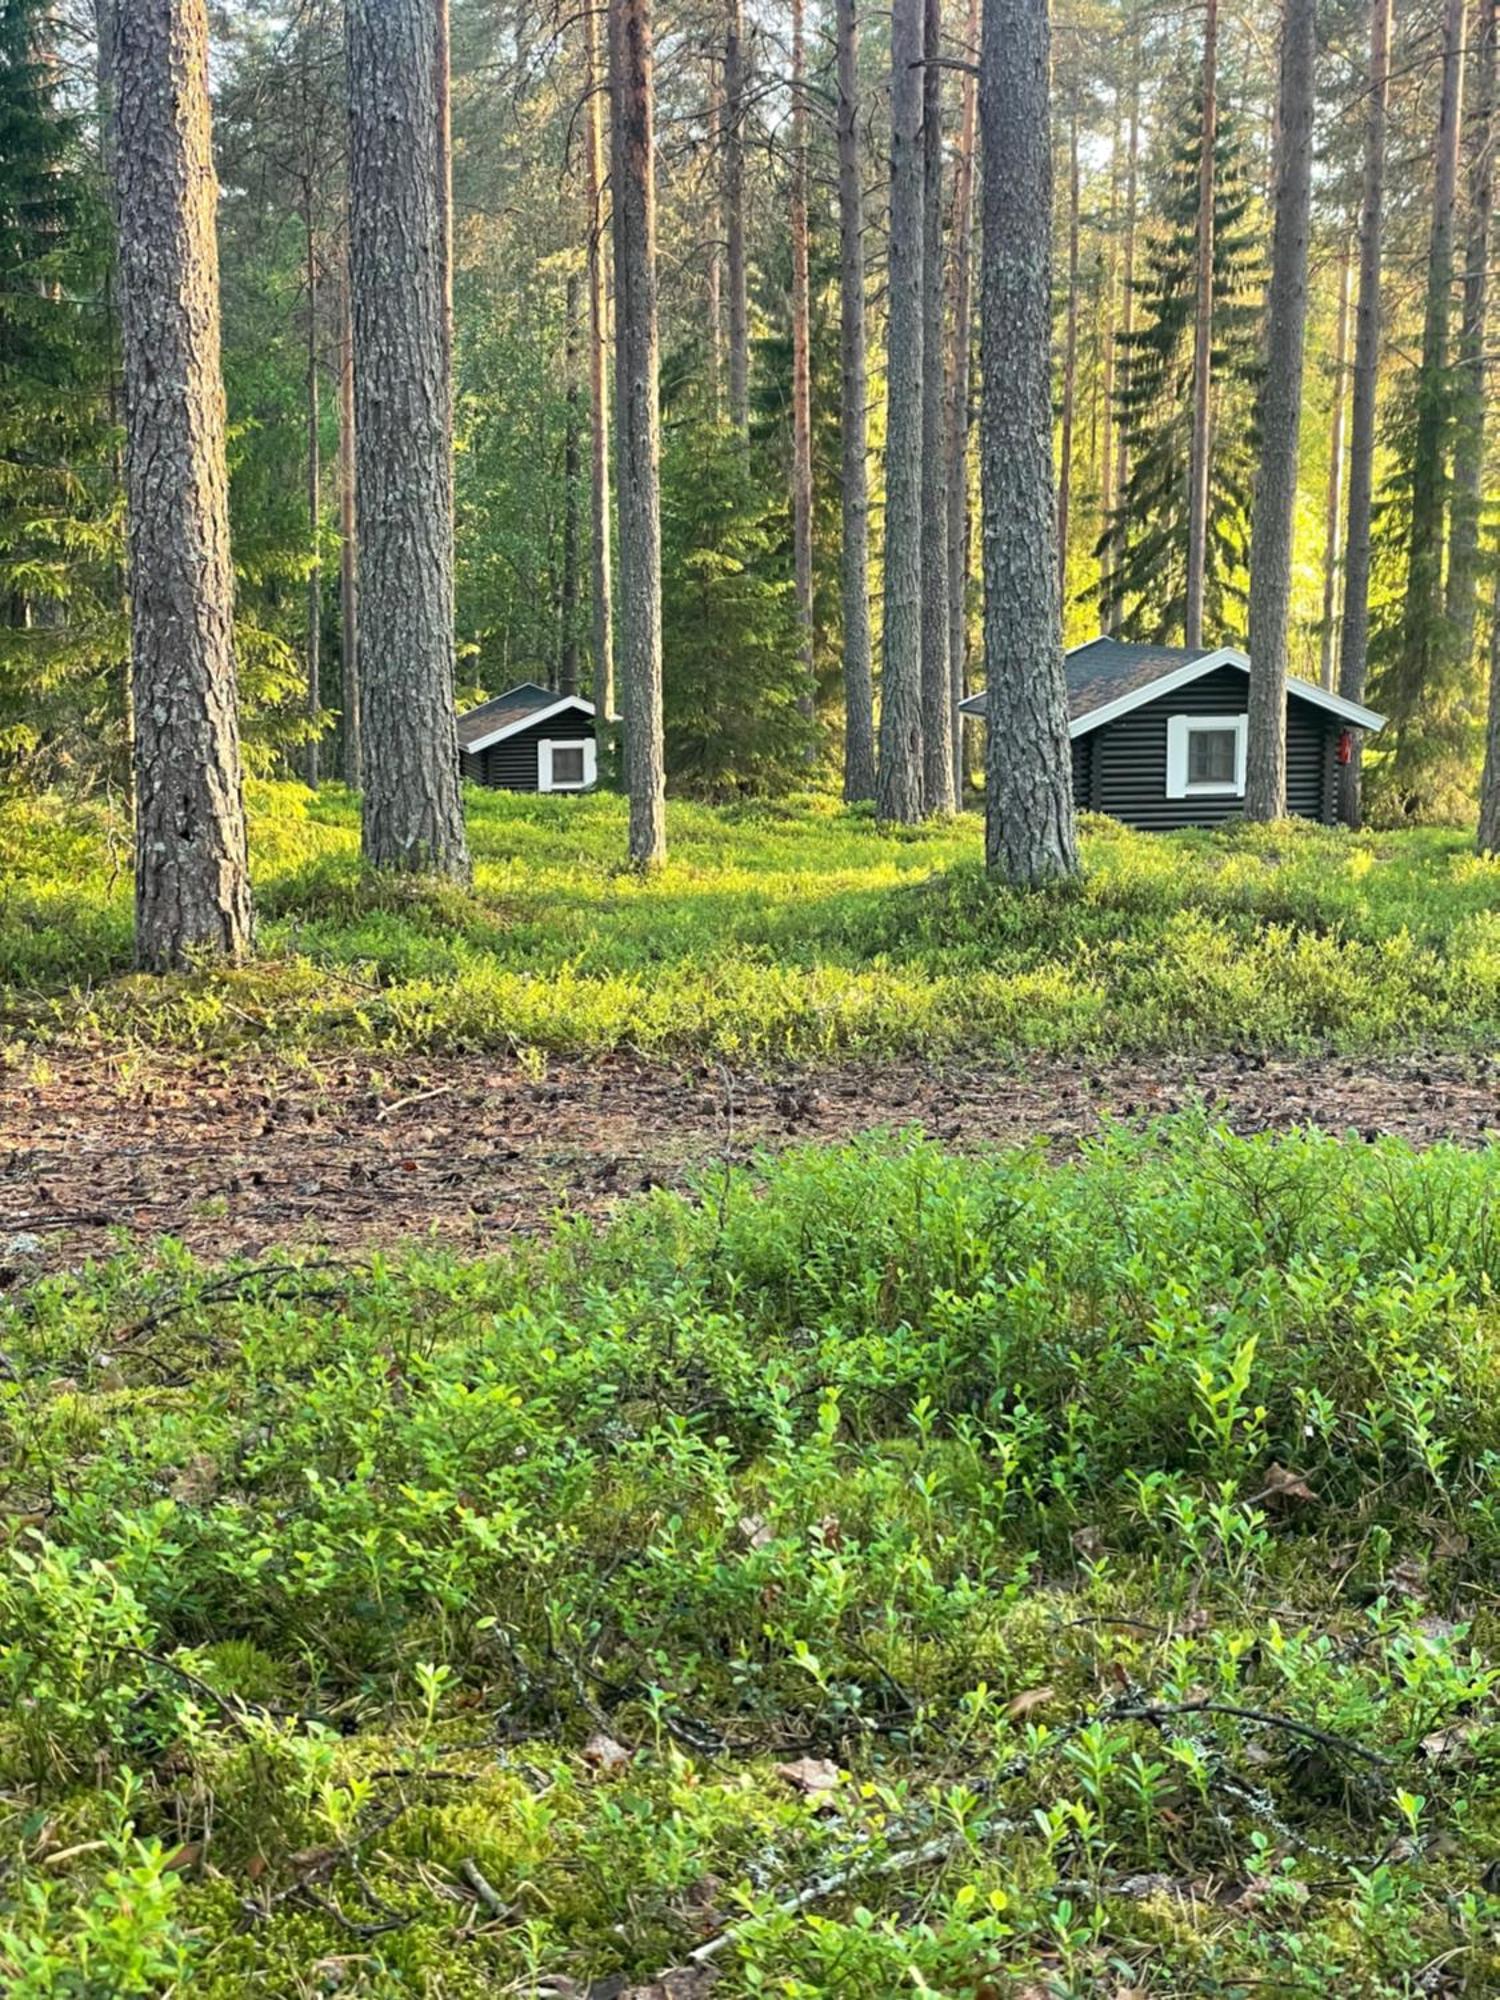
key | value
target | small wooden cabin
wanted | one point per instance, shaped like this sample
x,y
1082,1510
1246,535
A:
x,y
530,739
1159,735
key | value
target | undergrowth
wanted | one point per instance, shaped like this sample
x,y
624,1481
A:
x,y
878,1573
775,933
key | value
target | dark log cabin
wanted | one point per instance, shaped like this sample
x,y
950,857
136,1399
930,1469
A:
x,y
530,739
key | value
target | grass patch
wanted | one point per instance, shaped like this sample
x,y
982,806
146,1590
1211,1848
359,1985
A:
x,y
1072,1579
786,933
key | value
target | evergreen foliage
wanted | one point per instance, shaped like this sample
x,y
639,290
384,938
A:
x,y
1147,591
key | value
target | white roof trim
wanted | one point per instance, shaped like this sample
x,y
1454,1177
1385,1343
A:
x,y
529,721
1190,670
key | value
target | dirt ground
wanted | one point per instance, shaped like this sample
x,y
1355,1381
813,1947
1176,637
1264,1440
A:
x,y
356,1154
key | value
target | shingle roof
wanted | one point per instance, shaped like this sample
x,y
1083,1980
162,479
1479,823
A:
x,y
504,708
1106,669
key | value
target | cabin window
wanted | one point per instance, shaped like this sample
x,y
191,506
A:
x,y
1205,756
565,767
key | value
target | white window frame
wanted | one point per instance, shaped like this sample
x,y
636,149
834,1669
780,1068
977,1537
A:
x,y
1180,728
545,782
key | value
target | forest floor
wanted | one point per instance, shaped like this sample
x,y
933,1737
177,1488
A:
x,y
232,1160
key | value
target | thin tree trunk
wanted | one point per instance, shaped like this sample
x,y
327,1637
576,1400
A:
x,y
734,217
802,476
567,651
1127,302
899,787
1355,628
1468,441
714,274
1107,365
1199,468
1029,833
599,526
192,884
937,690
443,99
1070,360
1273,521
314,496
854,551
1422,640
412,815
957,480
348,561
633,179
1333,517
1489,786
104,23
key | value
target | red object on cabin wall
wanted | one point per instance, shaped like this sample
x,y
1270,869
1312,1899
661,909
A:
x,y
1346,746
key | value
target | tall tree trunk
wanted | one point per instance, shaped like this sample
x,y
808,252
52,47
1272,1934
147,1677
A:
x,y
599,524
1422,637
443,97
854,550
348,558
1333,517
192,884
632,100
1199,466
1127,302
1109,281
567,650
1029,833
104,23
714,272
734,217
957,478
802,476
1489,785
1468,441
937,690
1274,512
1070,359
899,788
314,493
1354,631
412,815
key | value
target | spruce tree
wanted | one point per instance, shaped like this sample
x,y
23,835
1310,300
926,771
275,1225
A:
x,y
1147,533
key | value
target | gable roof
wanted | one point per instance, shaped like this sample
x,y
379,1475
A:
x,y
518,708
1109,677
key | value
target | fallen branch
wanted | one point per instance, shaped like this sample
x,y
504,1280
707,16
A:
x,y
863,1870
1165,1711
483,1889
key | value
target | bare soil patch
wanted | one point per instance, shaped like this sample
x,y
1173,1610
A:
x,y
355,1154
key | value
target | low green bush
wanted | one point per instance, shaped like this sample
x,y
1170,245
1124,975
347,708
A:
x,y
913,1573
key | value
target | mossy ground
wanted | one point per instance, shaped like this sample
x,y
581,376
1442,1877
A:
x,y
798,932
1115,1537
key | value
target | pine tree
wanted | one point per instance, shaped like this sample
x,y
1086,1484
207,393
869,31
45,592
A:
x,y
60,627
1148,531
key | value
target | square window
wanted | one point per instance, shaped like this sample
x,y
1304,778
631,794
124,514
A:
x,y
1212,756
567,763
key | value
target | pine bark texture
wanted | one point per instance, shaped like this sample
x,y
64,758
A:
x,y
1200,455
1489,786
348,550
1070,359
1029,833
602,558
1421,638
1333,516
314,501
412,816
192,888
1354,631
937,691
1273,517
802,473
734,217
854,392
1469,432
957,475
637,415
567,647
899,788
1127,304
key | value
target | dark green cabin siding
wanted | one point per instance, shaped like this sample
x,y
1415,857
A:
x,y
1124,770
511,766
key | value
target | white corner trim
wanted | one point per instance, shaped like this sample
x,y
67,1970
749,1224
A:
x,y
533,715
545,782
1180,729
